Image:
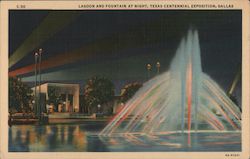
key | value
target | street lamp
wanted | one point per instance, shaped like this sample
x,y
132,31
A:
x,y
99,107
39,72
64,107
37,69
36,56
33,104
149,69
158,65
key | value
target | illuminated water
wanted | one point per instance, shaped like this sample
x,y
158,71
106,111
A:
x,y
181,99
84,138
181,109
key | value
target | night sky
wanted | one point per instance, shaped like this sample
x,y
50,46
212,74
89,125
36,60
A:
x,y
118,44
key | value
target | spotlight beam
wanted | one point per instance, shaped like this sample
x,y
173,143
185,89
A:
x,y
52,24
107,45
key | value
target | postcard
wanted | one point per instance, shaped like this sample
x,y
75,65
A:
x,y
125,79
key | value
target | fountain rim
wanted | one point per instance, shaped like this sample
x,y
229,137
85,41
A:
x,y
117,134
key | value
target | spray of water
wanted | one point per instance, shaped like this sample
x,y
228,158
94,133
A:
x,y
183,99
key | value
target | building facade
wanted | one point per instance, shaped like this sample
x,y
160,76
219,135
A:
x,y
67,94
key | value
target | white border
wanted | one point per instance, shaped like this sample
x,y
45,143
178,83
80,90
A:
x,y
73,5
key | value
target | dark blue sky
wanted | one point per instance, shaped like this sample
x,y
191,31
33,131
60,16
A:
x,y
133,39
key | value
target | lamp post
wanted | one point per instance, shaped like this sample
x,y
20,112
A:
x,y
158,65
149,69
36,109
39,72
33,104
63,108
99,108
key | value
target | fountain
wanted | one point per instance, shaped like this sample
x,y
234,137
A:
x,y
182,100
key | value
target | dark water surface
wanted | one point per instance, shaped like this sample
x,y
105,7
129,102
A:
x,y
84,138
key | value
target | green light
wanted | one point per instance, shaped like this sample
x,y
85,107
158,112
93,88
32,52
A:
x,y
52,24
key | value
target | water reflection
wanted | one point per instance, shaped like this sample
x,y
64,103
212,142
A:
x,y
201,142
84,138
48,138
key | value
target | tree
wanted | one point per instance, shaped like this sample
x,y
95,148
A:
x,y
98,91
54,97
129,90
20,96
